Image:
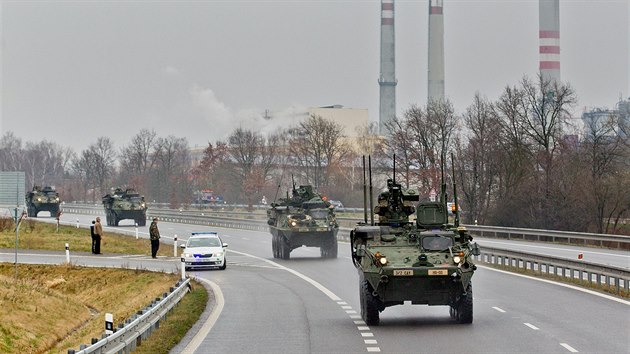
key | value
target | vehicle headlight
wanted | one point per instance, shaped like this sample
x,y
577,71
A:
x,y
219,254
39,199
383,260
293,223
457,259
187,255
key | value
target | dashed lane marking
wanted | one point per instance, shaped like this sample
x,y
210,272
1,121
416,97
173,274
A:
x,y
346,307
367,334
342,303
370,341
531,326
360,322
363,328
499,309
351,311
569,348
373,349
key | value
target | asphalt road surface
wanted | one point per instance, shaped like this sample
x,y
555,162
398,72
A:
x,y
311,305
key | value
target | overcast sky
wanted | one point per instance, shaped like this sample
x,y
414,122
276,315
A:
x,y
76,70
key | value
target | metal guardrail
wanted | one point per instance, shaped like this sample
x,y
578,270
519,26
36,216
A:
x,y
139,327
573,238
593,273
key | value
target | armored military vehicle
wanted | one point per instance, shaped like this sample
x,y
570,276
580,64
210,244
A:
x,y
42,199
426,262
124,204
305,219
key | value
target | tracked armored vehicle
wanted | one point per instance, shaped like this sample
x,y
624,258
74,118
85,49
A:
x,y
305,219
42,199
124,204
426,262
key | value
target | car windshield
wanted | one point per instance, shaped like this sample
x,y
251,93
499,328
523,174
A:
x,y
436,243
204,242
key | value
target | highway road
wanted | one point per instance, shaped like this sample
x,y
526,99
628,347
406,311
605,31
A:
x,y
310,305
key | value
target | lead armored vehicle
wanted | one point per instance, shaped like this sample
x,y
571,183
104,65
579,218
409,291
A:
x,y
426,262
305,219
42,199
124,204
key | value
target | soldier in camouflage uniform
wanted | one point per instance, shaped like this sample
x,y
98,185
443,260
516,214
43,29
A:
x,y
154,234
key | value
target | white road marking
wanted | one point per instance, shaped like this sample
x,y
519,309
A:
x,y
342,303
346,307
363,328
368,334
370,341
499,309
351,311
625,302
317,285
359,322
354,317
531,326
569,348
212,319
373,349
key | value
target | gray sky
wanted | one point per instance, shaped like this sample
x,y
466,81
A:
x,y
76,70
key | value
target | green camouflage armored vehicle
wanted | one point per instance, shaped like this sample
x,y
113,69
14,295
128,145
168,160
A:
x,y
42,199
429,262
122,204
305,219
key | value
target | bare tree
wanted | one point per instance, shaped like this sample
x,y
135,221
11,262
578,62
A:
x,y
171,167
317,147
10,152
135,158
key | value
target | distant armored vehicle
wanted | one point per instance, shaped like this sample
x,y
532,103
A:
x,y
305,219
42,199
122,204
428,262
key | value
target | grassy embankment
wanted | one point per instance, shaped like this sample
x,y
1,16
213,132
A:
x,y
54,308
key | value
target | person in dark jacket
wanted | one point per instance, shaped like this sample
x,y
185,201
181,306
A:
x,y
154,235
93,236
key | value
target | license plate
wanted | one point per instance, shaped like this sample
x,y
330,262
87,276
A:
x,y
403,272
438,271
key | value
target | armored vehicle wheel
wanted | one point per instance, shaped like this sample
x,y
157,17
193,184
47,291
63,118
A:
x,y
274,246
141,222
285,251
464,311
369,304
32,212
115,219
329,250
54,212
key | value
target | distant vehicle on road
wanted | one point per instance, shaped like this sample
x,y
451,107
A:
x,y
336,203
204,250
42,199
122,204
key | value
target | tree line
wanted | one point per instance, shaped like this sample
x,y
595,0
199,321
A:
x,y
519,160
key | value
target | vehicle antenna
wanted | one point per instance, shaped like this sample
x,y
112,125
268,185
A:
x,y
365,219
455,192
371,206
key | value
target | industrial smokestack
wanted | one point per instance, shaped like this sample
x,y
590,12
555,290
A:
x,y
436,50
387,79
549,35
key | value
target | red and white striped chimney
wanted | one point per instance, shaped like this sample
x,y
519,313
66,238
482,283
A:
x,y
549,37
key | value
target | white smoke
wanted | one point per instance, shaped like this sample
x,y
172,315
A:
x,y
223,121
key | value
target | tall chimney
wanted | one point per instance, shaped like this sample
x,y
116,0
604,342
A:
x,y
436,50
387,79
549,35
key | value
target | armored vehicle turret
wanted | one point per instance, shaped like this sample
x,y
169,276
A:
x,y
42,199
426,262
124,204
305,219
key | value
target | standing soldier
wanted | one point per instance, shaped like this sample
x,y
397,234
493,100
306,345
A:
x,y
98,232
93,235
154,234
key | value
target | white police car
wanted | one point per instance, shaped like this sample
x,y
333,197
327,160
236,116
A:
x,y
204,250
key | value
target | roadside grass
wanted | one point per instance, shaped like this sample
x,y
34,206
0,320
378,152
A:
x,y
179,321
50,309
56,308
34,235
612,290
